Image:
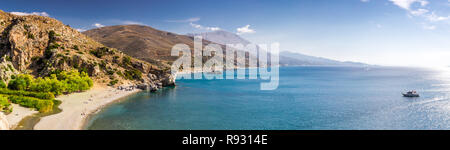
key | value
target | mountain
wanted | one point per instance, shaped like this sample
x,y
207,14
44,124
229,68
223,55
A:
x,y
40,45
143,42
221,37
295,59
286,58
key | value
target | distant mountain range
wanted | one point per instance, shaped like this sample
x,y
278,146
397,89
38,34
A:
x,y
221,37
149,44
286,58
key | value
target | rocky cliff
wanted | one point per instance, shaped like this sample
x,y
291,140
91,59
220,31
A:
x,y
41,45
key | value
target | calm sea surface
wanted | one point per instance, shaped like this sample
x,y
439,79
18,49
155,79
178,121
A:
x,y
307,98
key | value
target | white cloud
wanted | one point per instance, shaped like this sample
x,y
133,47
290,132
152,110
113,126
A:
x,y
406,4
98,25
419,12
195,19
434,18
45,14
244,30
365,1
203,27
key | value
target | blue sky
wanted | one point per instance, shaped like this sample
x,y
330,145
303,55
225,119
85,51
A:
x,y
385,32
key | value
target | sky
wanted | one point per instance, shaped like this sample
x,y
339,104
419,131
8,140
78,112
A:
x,y
382,32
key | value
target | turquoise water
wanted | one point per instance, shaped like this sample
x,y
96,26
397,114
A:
x,y
307,98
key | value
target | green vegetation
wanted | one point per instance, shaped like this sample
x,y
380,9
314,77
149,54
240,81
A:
x,y
5,105
63,82
40,93
133,74
100,52
2,84
8,58
54,46
120,74
20,82
26,27
113,82
75,81
126,61
10,67
75,47
30,102
52,35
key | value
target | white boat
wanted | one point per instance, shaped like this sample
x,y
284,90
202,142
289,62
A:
x,y
411,94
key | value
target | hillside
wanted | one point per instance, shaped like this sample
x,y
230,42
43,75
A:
x,y
142,42
40,45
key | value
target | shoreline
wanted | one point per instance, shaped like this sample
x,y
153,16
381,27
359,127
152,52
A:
x,y
18,114
77,108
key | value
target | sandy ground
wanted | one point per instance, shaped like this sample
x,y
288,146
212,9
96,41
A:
x,y
77,107
18,114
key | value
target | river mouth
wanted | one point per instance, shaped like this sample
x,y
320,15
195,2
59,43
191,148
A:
x,y
29,122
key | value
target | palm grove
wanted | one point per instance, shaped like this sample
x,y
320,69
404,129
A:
x,y
39,93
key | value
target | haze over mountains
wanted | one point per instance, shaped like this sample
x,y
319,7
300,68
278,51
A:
x,y
286,58
149,44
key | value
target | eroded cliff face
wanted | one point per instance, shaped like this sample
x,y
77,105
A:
x,y
40,45
4,125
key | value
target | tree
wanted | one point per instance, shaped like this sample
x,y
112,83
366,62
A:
x,y
2,84
20,82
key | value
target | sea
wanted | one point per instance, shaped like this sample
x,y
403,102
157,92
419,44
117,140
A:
x,y
307,98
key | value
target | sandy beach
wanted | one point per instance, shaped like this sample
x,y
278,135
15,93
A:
x,y
18,114
77,107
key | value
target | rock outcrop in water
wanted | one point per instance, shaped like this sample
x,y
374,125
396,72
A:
x,y
41,45
4,125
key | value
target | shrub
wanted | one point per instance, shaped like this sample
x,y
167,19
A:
x,y
51,34
113,82
61,82
48,85
75,81
133,74
20,82
100,52
75,47
5,105
2,84
53,46
30,102
8,58
10,67
40,95
120,74
57,83
126,61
